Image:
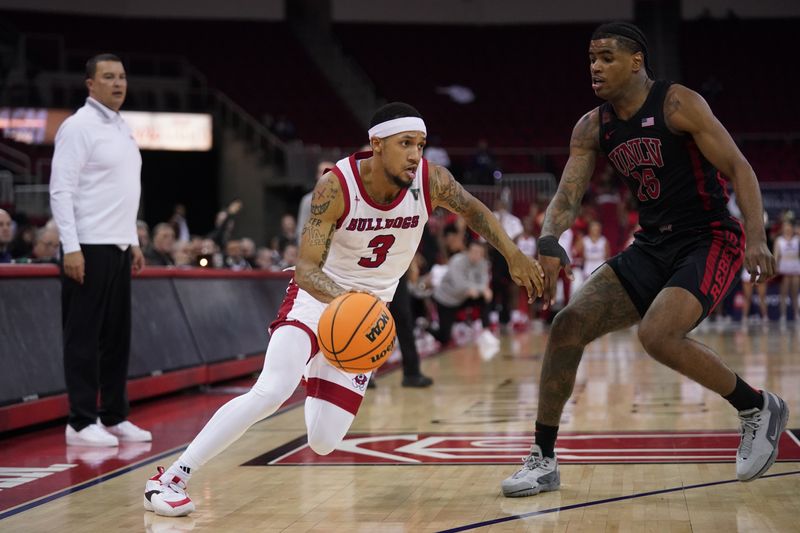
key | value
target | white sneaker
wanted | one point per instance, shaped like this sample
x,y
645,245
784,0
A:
x,y
488,345
487,338
91,435
538,474
128,432
166,496
760,432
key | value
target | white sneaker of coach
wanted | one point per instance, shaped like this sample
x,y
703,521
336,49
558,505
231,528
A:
x,y
91,435
488,345
127,431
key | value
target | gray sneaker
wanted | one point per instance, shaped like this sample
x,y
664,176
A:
x,y
760,431
538,474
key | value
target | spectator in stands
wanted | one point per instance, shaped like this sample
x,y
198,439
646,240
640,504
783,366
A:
x,y
143,235
288,232
195,247
453,239
465,284
6,236
182,254
304,211
610,208
94,196
163,243
178,222
224,223
210,255
234,259
264,259
288,257
435,153
45,246
22,243
483,166
248,251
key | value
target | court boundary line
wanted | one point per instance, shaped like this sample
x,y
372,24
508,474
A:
x,y
593,503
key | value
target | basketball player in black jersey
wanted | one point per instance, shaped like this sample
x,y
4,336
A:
x,y
670,149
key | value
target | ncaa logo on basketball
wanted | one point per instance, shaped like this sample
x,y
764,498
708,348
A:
x,y
360,381
376,329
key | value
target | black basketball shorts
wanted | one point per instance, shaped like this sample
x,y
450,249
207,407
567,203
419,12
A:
x,y
704,261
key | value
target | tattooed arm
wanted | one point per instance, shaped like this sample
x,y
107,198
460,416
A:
x,y
448,193
564,207
327,205
583,148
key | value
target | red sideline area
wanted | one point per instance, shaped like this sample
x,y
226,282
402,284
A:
x,y
45,465
39,463
24,414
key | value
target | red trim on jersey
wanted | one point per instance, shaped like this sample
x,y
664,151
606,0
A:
x,y
711,262
382,207
345,193
735,268
723,183
699,177
334,393
426,188
283,320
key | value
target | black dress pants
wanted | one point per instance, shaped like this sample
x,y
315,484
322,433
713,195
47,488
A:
x,y
96,318
447,316
404,324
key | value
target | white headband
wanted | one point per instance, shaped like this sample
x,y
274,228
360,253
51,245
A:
x,y
397,125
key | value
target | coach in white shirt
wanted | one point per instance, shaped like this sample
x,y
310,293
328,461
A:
x,y
94,196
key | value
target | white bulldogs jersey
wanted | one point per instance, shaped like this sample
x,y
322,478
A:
x,y
374,243
594,254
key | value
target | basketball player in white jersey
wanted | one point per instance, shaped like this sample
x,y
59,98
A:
x,y
367,218
594,248
787,254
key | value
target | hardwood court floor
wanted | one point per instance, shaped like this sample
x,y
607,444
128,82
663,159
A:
x,y
625,407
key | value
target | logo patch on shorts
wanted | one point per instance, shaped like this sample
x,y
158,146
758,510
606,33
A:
x,y
360,381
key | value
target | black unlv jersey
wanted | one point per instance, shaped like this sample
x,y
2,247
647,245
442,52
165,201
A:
x,y
676,186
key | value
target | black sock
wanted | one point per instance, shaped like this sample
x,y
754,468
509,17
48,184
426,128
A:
x,y
744,396
545,437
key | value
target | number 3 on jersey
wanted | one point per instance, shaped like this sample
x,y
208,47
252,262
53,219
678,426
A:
x,y
380,248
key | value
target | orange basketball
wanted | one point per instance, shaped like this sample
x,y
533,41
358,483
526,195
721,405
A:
x,y
356,332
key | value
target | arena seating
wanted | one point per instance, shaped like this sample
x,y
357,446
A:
x,y
260,65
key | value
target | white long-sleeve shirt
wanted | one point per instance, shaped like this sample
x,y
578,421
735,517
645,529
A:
x,y
96,179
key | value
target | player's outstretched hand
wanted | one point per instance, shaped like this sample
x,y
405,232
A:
x,y
528,273
759,262
552,267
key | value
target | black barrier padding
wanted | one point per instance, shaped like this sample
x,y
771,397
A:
x,y
160,337
229,317
30,338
